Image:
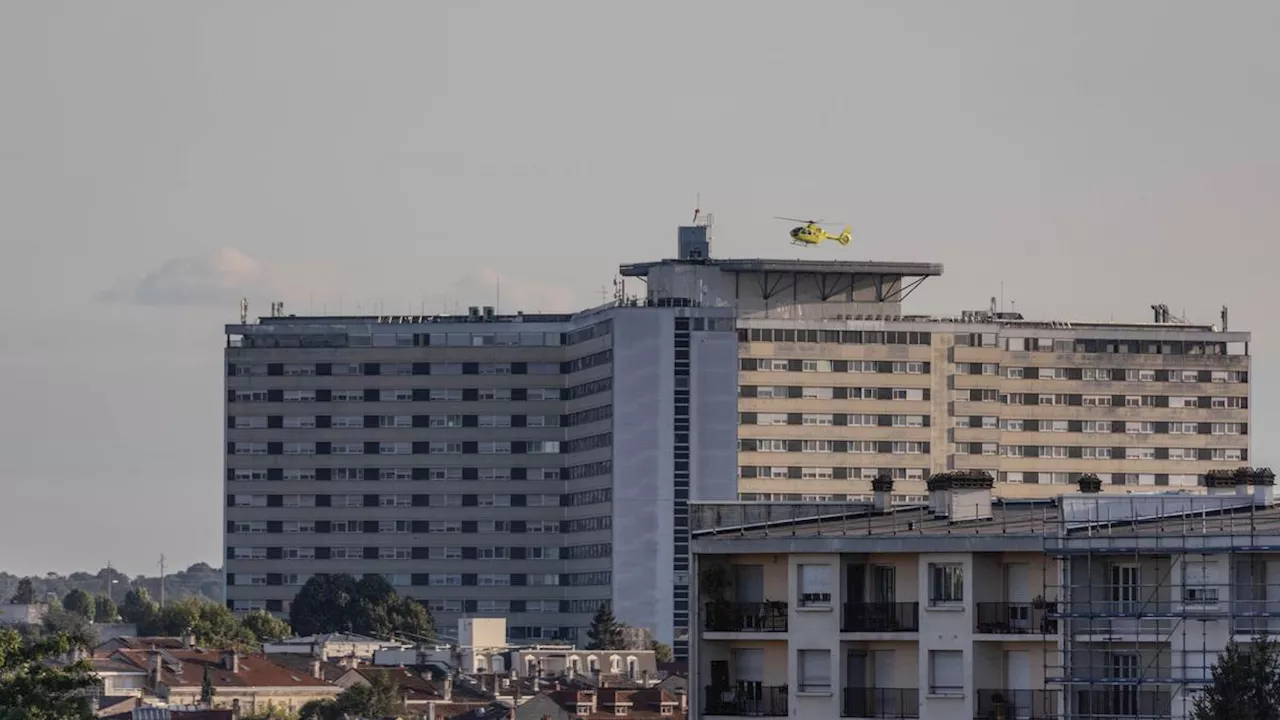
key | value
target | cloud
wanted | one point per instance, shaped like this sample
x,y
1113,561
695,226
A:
x,y
485,286
221,277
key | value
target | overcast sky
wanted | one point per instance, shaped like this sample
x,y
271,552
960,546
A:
x,y
159,160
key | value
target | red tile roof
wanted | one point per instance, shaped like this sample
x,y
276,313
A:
x,y
186,668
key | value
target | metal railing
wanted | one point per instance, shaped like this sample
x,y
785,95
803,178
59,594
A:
x,y
881,617
881,703
1120,700
1015,619
1017,704
746,617
747,699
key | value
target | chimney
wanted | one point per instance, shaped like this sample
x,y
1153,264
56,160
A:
x,y
1264,487
969,496
315,670
231,661
448,688
939,486
1220,482
1090,484
882,493
431,711
157,670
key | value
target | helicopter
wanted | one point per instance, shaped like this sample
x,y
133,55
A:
x,y
812,233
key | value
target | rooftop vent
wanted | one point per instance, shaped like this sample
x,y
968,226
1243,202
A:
x,y
960,496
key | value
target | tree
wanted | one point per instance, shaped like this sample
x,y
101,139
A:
x,y
265,626
661,652
139,608
26,593
104,611
207,690
370,606
379,698
79,602
1245,684
34,688
212,623
59,621
605,632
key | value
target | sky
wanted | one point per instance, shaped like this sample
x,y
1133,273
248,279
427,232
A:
x,y
159,161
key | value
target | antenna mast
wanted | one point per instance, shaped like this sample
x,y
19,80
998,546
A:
x,y
161,563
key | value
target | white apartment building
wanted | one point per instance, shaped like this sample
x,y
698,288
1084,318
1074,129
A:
x,y
1084,606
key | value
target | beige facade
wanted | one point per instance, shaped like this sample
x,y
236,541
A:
x,y
1081,606
826,406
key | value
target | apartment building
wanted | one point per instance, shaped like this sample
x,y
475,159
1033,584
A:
x,y
483,463
1084,606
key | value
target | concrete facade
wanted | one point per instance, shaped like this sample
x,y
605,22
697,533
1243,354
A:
x,y
1037,610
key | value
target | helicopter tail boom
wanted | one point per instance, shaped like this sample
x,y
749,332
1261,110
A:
x,y
845,237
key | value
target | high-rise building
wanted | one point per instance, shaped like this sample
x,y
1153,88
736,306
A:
x,y
537,465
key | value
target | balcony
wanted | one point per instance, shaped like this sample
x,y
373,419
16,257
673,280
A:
x,y
1017,704
761,617
878,617
881,703
1121,700
747,699
1015,619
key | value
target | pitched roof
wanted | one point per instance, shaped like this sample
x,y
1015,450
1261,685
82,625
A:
x,y
408,681
186,668
302,664
144,643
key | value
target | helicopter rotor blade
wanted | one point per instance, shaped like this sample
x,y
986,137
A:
x,y
807,222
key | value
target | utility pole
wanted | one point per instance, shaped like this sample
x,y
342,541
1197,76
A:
x,y
110,581
161,580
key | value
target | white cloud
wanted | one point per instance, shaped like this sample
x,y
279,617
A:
x,y
485,286
221,277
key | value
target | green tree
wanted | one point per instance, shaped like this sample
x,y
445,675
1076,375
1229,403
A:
x,y
1245,684
605,632
207,690
265,626
25,594
370,606
379,698
33,686
59,621
138,608
212,623
79,602
661,652
104,611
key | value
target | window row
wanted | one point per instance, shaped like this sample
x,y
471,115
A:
x,y
830,473
410,394
603,577
1142,427
896,447
356,422
443,447
373,474
834,419
418,527
1091,347
1103,453
992,395
466,553
1103,374
780,392
842,337
908,367
404,500
898,498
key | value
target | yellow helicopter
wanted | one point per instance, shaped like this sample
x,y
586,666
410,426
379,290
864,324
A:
x,y
812,233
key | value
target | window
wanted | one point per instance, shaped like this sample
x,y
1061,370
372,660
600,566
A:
x,y
395,421
259,422
494,394
299,395
395,448
1013,373
445,553
946,583
946,671
815,586
446,421
445,394
815,670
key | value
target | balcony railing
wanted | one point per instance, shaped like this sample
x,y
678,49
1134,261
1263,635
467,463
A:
x,y
1016,704
1015,619
746,617
881,617
881,703
1120,700
749,699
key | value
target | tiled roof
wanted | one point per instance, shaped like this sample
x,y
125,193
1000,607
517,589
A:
x,y
144,643
186,668
410,682
302,664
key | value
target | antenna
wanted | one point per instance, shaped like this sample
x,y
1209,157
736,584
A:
x,y
697,208
244,310
161,564
1224,318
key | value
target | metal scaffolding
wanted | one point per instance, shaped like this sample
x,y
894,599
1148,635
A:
x,y
1148,590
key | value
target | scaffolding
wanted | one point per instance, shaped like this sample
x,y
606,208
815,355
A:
x,y
1147,590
